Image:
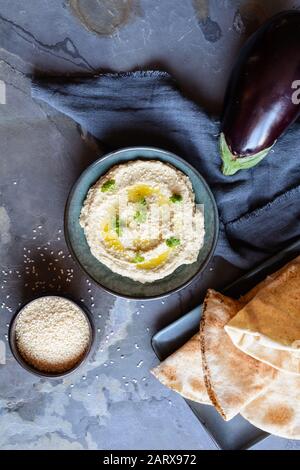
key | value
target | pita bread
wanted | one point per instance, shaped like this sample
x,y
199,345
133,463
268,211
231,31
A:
x,y
268,327
285,361
182,372
254,291
233,379
277,410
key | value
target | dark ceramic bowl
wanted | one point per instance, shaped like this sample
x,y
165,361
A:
x,y
29,367
103,276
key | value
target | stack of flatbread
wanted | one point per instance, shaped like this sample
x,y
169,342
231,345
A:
x,y
246,357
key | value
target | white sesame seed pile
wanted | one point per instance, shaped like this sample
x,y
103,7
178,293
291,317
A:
x,y
52,334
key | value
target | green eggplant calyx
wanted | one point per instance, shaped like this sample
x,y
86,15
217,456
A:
x,y
233,164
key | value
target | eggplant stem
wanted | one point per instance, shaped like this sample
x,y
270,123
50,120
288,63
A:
x,y
233,164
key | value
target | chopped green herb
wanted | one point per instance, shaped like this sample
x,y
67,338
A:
x,y
140,217
143,201
172,242
117,226
176,198
138,259
108,186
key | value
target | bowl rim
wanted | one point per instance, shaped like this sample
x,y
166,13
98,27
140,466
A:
x,y
176,157
31,369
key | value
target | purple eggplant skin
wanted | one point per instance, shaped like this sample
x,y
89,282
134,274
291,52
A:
x,y
260,99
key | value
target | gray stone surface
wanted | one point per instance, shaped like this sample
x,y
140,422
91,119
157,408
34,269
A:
x,y
112,402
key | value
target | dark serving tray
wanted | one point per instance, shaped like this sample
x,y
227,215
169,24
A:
x,y
237,433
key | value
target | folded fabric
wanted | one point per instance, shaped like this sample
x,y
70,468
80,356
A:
x,y
259,208
268,327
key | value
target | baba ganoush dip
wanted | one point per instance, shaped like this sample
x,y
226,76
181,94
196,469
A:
x,y
141,221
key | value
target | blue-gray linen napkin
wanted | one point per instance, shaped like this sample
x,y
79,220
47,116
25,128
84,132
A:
x,y
259,208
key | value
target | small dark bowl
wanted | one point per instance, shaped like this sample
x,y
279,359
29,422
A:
x,y
17,355
122,286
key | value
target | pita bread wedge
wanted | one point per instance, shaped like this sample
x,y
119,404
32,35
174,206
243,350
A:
x,y
233,379
268,327
182,372
277,409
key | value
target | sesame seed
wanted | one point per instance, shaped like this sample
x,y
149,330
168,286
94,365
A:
x,y
52,334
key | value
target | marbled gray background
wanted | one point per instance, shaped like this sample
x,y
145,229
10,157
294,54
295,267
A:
x,y
113,402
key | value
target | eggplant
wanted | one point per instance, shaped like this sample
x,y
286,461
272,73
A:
x,y
261,100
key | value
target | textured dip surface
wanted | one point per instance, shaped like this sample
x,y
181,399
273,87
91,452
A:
x,y
140,220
